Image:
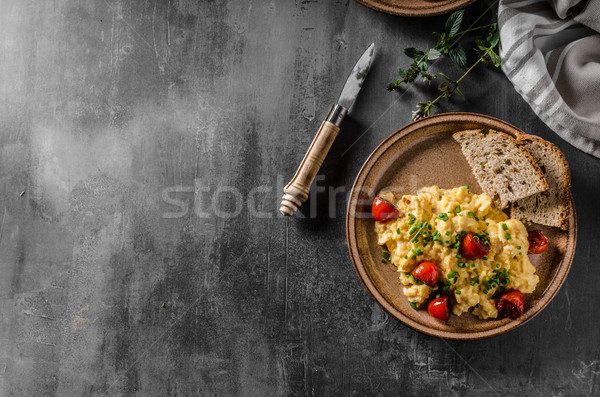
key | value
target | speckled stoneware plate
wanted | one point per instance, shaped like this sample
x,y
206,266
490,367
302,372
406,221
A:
x,y
422,154
415,8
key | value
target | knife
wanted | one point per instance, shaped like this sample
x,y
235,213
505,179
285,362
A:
x,y
296,191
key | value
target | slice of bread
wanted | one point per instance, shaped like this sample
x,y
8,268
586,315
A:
x,y
551,207
504,170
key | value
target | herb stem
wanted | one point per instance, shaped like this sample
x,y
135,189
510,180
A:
x,y
471,68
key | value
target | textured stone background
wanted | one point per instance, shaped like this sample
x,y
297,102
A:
x,y
120,121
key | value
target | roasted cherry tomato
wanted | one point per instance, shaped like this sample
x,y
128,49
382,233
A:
x,y
472,248
439,308
538,242
383,210
427,272
511,303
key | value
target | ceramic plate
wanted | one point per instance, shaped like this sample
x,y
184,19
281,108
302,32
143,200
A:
x,y
415,8
422,154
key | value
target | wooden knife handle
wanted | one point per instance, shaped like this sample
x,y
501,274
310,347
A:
x,y
296,191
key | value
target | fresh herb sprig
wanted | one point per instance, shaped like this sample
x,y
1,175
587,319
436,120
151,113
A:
x,y
447,43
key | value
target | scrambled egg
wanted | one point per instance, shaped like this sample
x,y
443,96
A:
x,y
430,227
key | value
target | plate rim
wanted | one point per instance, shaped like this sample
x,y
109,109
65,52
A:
x,y
400,10
557,281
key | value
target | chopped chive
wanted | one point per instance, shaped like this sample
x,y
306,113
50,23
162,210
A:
x,y
465,187
455,279
504,227
437,296
385,255
472,265
429,227
413,257
457,292
411,215
451,275
413,305
405,256
457,209
416,236
412,230
487,278
472,214
443,216
497,266
485,258
398,230
383,261
507,236
447,241
447,232
518,247
462,265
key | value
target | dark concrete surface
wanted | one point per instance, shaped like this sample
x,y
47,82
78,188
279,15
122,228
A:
x,y
143,148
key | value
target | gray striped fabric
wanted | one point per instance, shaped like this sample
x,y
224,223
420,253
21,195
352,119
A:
x,y
551,53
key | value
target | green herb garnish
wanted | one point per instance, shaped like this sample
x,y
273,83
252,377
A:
x,y
418,233
443,216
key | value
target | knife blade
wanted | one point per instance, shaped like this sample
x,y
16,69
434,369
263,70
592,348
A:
x,y
296,191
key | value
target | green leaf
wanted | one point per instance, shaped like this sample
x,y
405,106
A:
x,y
454,21
413,53
402,72
433,54
495,58
424,66
493,38
481,44
458,56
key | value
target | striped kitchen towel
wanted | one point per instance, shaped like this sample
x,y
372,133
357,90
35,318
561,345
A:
x,y
551,53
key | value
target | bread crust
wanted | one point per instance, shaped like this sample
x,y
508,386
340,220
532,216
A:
x,y
566,173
